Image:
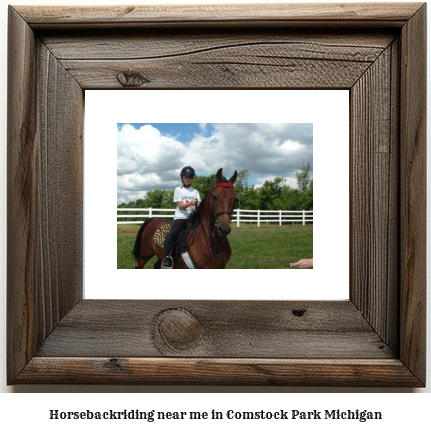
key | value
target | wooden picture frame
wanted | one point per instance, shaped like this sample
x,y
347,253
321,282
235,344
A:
x,y
376,338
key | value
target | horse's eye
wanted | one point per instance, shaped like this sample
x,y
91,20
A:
x,y
215,196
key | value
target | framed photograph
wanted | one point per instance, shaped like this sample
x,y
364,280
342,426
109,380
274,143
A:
x,y
376,337
286,137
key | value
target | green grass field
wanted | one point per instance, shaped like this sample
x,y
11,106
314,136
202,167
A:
x,y
252,248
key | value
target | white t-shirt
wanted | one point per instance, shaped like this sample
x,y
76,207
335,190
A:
x,y
185,195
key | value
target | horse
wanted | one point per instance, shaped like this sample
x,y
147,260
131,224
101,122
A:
x,y
205,236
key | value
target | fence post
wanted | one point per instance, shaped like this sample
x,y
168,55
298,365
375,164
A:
x,y
150,213
280,218
237,217
258,218
303,217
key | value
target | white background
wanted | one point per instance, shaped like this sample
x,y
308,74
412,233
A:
x,y
402,410
104,109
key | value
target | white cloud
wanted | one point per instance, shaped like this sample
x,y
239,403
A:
x,y
145,150
148,160
291,147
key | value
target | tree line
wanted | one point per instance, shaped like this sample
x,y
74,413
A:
x,y
272,195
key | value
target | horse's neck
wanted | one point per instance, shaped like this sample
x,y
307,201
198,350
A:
x,y
207,218
207,248
207,209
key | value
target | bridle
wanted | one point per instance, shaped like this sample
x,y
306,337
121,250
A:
x,y
225,185
214,217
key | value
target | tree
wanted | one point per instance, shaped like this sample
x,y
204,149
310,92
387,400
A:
x,y
160,198
141,203
241,186
303,179
305,187
204,184
251,198
271,194
307,198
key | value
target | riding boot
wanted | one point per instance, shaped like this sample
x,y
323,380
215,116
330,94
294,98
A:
x,y
168,262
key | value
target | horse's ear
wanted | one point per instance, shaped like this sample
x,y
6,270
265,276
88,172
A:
x,y
233,178
219,175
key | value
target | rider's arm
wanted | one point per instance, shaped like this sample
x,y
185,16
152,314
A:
x,y
183,206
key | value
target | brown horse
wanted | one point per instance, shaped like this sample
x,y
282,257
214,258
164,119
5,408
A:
x,y
206,237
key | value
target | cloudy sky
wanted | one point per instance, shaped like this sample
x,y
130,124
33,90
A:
x,y
150,156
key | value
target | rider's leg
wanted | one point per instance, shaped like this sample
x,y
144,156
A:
x,y
170,241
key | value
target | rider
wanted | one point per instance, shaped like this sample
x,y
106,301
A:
x,y
187,200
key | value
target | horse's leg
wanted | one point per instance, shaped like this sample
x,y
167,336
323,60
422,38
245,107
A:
x,y
141,261
145,255
139,264
160,254
147,252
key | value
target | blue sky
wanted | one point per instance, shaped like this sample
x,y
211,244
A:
x,y
151,155
184,132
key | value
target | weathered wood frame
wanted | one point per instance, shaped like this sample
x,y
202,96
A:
x,y
376,338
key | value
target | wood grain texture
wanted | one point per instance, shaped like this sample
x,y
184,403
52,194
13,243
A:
x,y
235,329
374,195
59,183
413,193
141,44
377,338
230,60
196,371
45,188
299,14
21,196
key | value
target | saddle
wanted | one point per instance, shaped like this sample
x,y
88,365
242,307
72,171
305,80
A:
x,y
160,235
181,243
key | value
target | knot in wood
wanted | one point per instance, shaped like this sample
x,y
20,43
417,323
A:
x,y
298,312
131,79
178,329
115,363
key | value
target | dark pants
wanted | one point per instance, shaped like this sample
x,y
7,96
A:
x,y
173,234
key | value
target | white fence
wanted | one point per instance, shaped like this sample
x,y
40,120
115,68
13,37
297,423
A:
x,y
258,217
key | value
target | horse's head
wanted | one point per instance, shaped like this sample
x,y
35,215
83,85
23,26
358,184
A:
x,y
222,203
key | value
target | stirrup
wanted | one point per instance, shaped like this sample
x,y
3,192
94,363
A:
x,y
164,265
